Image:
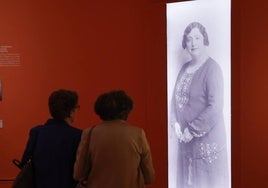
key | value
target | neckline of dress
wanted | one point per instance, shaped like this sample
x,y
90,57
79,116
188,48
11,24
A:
x,y
194,68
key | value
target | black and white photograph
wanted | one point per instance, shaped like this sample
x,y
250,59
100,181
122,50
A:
x,y
198,65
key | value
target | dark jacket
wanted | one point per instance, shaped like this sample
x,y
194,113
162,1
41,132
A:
x,y
53,149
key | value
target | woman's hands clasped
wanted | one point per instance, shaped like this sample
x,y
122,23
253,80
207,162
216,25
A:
x,y
184,136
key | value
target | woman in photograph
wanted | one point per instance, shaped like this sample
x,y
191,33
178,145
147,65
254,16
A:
x,y
197,116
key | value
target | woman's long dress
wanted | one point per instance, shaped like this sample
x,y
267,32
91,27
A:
x,y
198,106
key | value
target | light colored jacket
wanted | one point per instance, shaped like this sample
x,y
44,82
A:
x,y
119,155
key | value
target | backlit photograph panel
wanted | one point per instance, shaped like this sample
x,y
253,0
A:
x,y
199,119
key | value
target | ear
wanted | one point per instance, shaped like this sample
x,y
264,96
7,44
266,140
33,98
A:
x,y
73,115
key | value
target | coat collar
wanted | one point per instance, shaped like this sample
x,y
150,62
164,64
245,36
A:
x,y
56,122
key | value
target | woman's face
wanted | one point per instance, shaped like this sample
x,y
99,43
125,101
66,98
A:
x,y
195,43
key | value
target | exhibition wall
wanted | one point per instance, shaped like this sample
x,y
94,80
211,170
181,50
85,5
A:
x,y
93,47
89,47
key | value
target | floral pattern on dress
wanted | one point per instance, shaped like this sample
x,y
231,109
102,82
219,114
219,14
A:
x,y
209,152
182,90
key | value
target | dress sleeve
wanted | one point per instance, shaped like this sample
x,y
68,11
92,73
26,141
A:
x,y
172,113
214,96
146,164
80,166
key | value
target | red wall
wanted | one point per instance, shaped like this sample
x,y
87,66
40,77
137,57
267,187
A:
x,y
93,47
90,47
254,92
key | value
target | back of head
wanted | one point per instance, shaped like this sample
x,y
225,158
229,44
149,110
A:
x,y
61,103
113,105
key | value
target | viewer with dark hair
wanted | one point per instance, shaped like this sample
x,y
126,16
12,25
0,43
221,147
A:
x,y
52,146
118,154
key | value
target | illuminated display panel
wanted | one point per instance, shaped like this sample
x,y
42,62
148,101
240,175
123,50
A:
x,y
199,96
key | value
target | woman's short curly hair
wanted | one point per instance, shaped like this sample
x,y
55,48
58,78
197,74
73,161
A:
x,y
113,105
61,103
189,28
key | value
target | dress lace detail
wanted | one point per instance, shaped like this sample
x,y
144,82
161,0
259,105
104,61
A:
x,y
209,152
182,90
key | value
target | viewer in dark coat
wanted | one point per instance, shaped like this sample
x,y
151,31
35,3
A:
x,y
53,146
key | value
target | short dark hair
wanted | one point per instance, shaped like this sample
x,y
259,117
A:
x,y
61,103
189,28
113,105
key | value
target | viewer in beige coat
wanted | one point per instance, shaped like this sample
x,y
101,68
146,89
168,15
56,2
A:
x,y
118,154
